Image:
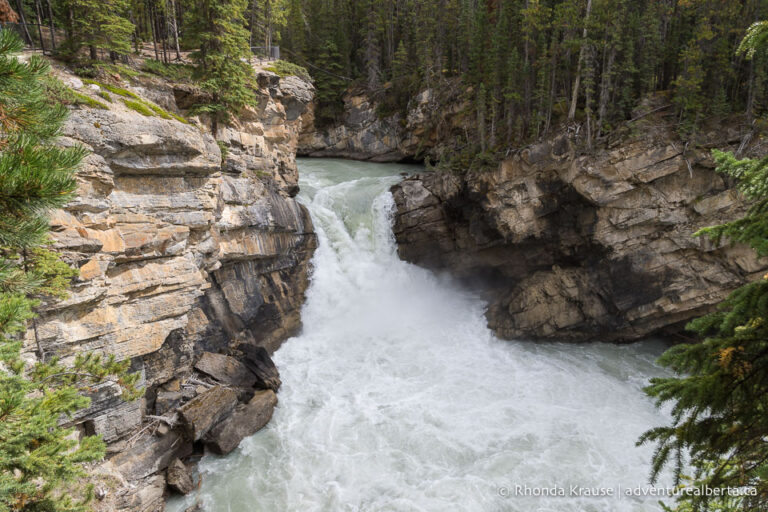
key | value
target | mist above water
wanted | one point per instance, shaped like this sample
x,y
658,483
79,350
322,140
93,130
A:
x,y
396,396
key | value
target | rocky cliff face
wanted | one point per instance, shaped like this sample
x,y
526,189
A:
x,y
430,125
180,254
581,247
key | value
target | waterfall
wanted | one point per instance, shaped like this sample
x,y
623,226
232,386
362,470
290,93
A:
x,y
397,397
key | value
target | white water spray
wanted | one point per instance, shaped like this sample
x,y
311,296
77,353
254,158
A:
x,y
396,396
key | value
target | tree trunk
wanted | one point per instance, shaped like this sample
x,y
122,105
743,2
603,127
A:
x,y
750,110
268,28
24,27
151,15
481,119
70,24
605,89
552,83
576,83
590,69
174,29
371,50
252,24
39,25
527,87
161,36
53,32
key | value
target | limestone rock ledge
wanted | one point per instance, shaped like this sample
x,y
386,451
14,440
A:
x,y
179,254
581,247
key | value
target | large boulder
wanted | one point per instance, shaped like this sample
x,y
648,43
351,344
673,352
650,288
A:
x,y
205,410
148,497
151,454
258,361
244,421
179,478
226,370
297,94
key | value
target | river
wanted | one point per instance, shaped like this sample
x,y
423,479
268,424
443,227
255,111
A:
x,y
396,396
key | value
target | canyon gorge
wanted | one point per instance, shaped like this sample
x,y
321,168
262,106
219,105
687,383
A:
x,y
195,255
418,255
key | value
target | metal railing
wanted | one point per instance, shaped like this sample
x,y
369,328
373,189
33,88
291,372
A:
x,y
266,52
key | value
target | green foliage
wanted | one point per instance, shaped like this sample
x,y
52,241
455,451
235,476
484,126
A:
x,y
160,112
720,398
95,69
139,106
752,181
285,68
689,96
149,109
468,159
40,462
726,502
58,92
131,100
97,24
403,86
174,72
125,93
527,56
330,87
85,70
756,39
223,65
82,99
224,150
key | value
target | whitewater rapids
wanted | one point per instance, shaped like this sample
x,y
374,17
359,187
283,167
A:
x,y
397,397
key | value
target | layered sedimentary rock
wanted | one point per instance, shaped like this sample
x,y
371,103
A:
x,y
180,252
580,246
429,125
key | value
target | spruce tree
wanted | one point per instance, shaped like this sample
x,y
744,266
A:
x,y
96,24
329,83
217,28
40,462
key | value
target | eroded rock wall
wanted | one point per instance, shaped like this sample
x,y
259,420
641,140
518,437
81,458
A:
x,y
180,253
576,246
429,126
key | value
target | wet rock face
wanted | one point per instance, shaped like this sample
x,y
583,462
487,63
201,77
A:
x,y
244,421
582,247
180,254
178,478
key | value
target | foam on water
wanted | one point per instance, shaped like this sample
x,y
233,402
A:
x,y
396,396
